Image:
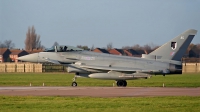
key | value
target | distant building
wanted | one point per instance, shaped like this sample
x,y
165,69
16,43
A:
x,y
127,52
4,55
100,50
15,53
140,52
116,51
133,52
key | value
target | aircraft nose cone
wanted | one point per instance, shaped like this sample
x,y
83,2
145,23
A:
x,y
29,58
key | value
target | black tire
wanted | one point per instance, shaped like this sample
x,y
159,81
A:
x,y
74,84
121,83
125,83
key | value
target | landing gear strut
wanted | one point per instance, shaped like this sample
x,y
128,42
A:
x,y
74,84
121,83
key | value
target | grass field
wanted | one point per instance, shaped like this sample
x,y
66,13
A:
x,y
90,104
97,104
64,79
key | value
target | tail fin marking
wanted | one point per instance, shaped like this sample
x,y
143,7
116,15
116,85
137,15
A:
x,y
175,49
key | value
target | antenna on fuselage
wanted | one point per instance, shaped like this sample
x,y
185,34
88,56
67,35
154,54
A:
x,y
55,48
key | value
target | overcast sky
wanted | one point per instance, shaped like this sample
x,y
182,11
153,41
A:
x,y
98,22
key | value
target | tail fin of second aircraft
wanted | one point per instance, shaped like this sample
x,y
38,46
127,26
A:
x,y
176,48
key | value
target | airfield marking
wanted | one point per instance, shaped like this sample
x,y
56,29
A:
x,y
99,91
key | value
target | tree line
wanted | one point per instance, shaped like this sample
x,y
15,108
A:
x,y
7,44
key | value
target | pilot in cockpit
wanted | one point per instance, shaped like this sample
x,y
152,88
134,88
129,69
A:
x,y
61,49
65,48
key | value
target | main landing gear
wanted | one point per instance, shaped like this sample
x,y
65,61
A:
x,y
121,83
74,84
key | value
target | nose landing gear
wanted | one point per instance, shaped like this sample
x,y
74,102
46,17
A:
x,y
74,84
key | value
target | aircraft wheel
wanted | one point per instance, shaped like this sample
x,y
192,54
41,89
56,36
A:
x,y
125,83
121,83
74,84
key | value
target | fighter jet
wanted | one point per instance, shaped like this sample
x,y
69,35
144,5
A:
x,y
164,60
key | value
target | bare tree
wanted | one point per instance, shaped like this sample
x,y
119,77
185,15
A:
x,y
126,47
7,44
92,48
153,46
109,46
137,47
38,42
190,46
147,47
32,40
150,46
2,45
83,47
55,44
198,46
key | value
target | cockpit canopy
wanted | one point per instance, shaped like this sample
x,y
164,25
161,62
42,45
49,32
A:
x,y
62,48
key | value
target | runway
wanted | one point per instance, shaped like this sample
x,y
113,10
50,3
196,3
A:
x,y
99,91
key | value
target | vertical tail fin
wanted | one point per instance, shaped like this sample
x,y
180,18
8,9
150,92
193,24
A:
x,y
176,48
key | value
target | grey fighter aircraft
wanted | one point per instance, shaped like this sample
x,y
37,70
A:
x,y
164,60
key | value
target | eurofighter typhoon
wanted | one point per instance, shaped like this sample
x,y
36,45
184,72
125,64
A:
x,y
164,60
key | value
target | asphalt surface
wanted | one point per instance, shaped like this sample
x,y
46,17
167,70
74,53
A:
x,y
99,91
